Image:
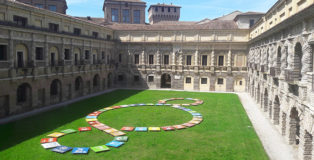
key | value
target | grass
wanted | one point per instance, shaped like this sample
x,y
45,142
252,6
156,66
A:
x,y
225,133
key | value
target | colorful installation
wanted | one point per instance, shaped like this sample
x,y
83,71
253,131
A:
x,y
119,136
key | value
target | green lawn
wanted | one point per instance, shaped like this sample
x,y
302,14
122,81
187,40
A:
x,y
225,133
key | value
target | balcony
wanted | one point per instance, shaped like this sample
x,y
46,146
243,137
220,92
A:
x,y
166,67
189,68
24,72
57,69
221,68
292,76
204,68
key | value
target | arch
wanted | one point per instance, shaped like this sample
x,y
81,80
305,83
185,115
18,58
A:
x,y
283,123
294,124
21,55
79,86
297,60
109,80
265,100
96,82
165,81
276,113
239,84
307,147
53,56
55,91
24,95
258,92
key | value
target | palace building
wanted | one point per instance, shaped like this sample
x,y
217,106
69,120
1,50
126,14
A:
x,y
48,57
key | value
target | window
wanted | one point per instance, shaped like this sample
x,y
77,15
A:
x,y
136,59
39,5
189,60
220,60
150,78
21,21
114,15
136,78
102,55
95,34
120,58
120,78
67,54
126,4
3,52
108,59
166,59
126,16
163,9
175,9
203,80
137,17
169,9
76,59
188,80
86,54
252,22
220,81
94,58
52,8
108,37
39,53
53,27
240,61
156,9
204,60
77,31
240,83
151,59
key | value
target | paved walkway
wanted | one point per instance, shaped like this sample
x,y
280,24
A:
x,y
274,144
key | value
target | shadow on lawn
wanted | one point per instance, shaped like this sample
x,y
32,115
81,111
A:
x,y
16,132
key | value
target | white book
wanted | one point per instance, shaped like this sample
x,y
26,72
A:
x,y
50,145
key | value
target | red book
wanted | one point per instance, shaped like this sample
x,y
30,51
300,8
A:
x,y
129,129
82,129
48,140
168,128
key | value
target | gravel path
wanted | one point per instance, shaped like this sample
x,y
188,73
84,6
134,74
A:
x,y
274,144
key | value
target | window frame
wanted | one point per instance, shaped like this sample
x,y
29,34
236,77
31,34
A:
x,y
188,80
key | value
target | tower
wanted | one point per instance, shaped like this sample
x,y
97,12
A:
x,y
163,12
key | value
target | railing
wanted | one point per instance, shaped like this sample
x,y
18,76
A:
x,y
221,68
292,76
24,72
274,71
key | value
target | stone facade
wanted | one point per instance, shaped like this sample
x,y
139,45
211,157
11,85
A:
x,y
124,11
59,6
280,77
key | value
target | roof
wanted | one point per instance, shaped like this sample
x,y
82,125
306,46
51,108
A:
x,y
229,16
96,20
249,14
214,25
175,23
163,5
138,1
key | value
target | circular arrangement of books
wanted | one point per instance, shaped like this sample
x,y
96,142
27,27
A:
x,y
195,103
119,135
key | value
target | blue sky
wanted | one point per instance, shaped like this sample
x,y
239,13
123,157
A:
x,y
191,10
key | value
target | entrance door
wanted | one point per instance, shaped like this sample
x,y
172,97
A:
x,y
20,60
165,81
52,59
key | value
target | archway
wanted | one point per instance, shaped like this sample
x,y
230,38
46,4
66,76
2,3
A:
x,y
265,100
294,127
24,95
55,91
165,81
79,86
307,146
278,62
109,81
96,82
298,59
276,110
258,92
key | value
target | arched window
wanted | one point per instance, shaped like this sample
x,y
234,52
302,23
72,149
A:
x,y
78,83
96,81
55,87
23,93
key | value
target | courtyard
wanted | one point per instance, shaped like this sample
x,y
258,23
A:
x,y
225,132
